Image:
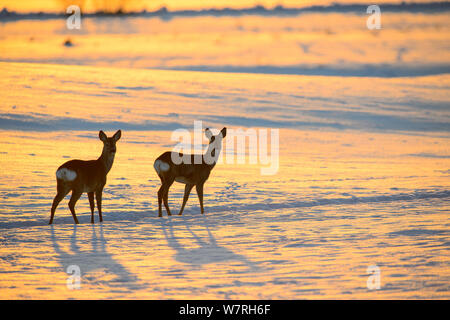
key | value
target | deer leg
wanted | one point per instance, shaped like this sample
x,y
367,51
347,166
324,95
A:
x,y
98,196
75,196
166,200
160,197
91,203
166,195
199,188
59,196
187,190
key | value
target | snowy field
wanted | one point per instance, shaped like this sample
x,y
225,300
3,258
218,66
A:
x,y
342,200
363,174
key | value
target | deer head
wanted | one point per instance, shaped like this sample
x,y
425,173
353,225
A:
x,y
215,145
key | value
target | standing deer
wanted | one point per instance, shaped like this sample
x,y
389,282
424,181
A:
x,y
187,171
81,176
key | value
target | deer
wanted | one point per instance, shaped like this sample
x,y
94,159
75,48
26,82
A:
x,y
81,176
183,168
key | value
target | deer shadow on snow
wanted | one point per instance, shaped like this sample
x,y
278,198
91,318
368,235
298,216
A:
x,y
207,251
96,259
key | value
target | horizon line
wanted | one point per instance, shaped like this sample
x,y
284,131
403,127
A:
x,y
279,10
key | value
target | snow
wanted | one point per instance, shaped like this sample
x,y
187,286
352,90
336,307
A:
x,y
363,175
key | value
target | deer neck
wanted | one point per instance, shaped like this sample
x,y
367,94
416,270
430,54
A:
x,y
107,159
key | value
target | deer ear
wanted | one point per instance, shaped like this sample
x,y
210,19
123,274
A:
x,y
224,132
208,133
117,135
102,136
